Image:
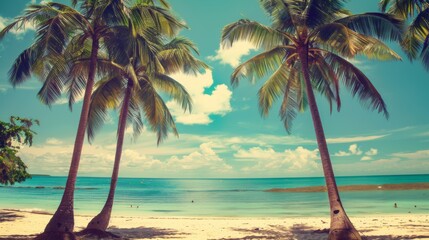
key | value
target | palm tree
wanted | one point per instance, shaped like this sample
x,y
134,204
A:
x,y
60,27
305,49
142,70
416,39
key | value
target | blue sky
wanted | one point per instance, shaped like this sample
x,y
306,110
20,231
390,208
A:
x,y
225,135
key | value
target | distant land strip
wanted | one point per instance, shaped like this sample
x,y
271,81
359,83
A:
x,y
369,187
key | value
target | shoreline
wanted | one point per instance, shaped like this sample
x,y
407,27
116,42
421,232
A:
x,y
19,224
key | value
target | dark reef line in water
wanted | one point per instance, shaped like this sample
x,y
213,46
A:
x,y
366,187
55,187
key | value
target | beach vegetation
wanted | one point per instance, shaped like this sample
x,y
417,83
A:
x,y
13,135
68,39
305,50
415,42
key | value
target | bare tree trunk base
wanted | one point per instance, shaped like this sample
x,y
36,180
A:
x,y
100,222
97,234
62,221
56,236
344,234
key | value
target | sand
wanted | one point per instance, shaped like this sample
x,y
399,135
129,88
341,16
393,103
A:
x,y
15,224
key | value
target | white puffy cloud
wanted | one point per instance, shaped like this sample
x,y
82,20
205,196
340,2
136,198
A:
x,y
53,141
353,150
204,157
372,152
369,154
17,31
268,159
232,55
218,102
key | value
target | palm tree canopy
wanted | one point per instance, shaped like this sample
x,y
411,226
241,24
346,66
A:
x,y
143,62
64,36
416,39
328,35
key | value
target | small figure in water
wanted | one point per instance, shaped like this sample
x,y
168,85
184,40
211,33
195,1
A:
x,y
395,205
131,205
192,201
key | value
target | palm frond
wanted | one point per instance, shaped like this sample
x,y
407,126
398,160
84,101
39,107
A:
x,y
143,16
134,116
283,14
380,25
272,89
75,88
177,60
416,33
107,94
357,83
54,81
261,64
253,32
318,12
156,112
174,89
22,67
290,103
425,53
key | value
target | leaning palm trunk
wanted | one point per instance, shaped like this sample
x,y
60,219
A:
x,y
62,222
341,226
101,221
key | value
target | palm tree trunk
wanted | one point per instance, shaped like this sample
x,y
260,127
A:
x,y
341,226
63,219
101,221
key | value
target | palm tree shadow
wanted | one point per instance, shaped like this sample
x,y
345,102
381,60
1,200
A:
x,y
145,232
297,231
9,216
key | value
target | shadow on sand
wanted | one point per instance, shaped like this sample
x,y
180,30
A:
x,y
139,233
303,232
7,216
297,231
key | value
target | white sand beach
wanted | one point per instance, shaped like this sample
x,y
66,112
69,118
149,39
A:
x,y
15,224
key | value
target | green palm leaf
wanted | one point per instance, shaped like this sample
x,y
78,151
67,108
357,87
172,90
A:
x,y
261,64
253,32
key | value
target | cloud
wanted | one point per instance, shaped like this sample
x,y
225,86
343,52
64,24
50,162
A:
x,y
18,31
64,100
372,152
353,150
354,139
218,102
267,159
421,154
232,55
369,154
53,141
205,157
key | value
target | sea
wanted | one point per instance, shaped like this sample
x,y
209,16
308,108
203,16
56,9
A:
x,y
216,197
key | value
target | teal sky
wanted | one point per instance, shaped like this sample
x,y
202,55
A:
x,y
225,135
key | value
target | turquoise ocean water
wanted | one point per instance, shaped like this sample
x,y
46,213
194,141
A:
x,y
216,197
